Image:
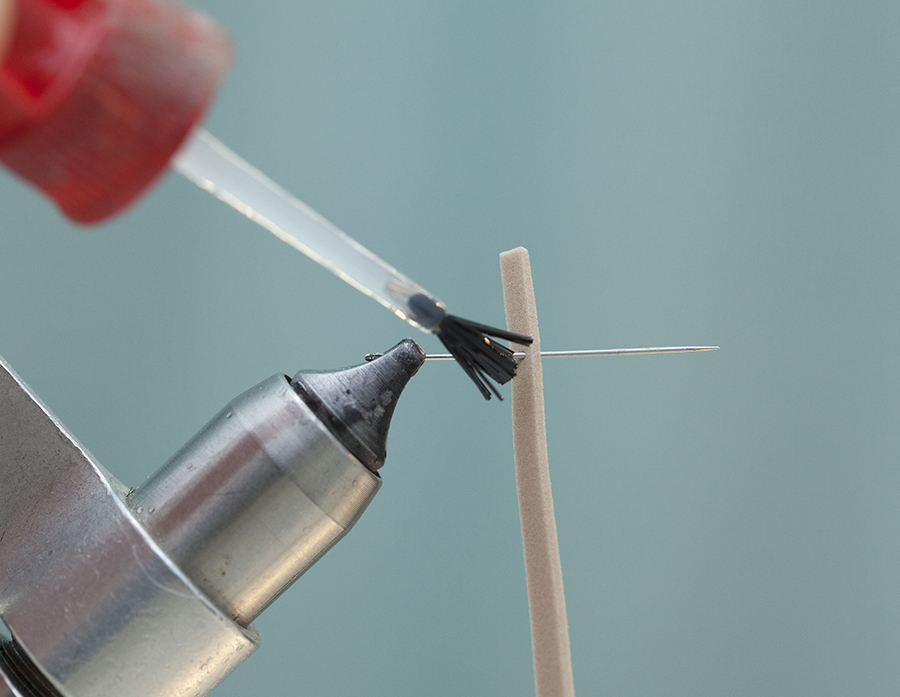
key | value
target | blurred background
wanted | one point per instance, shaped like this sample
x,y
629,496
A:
x,y
682,173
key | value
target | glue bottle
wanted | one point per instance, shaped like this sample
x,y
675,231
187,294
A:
x,y
96,96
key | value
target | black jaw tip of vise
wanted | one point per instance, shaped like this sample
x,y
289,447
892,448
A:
x,y
356,404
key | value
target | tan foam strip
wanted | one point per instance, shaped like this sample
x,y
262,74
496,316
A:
x,y
543,573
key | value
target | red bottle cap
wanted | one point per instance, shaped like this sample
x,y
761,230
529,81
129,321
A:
x,y
97,95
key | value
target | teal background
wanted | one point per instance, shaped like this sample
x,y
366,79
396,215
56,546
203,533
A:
x,y
682,173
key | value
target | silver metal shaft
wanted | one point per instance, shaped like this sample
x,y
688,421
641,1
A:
x,y
249,504
520,355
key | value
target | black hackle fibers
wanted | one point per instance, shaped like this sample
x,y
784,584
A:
x,y
482,358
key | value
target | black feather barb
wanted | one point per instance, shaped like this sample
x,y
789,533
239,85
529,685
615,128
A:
x,y
482,358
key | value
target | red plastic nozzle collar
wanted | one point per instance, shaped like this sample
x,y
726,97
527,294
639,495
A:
x,y
97,95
